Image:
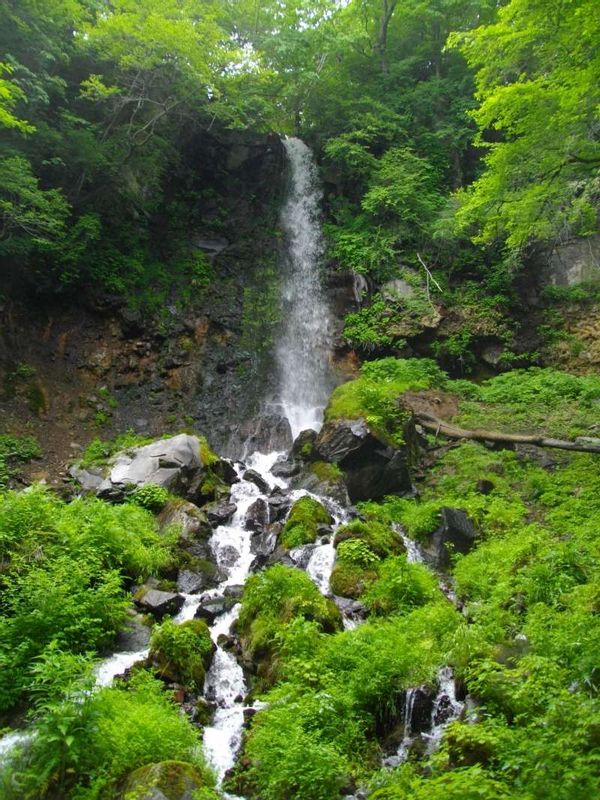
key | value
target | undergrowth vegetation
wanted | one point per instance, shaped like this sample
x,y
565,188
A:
x,y
65,569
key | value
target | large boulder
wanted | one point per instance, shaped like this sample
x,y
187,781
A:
x,y
167,780
371,467
183,464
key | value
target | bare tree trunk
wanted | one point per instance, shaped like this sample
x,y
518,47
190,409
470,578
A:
x,y
439,426
387,11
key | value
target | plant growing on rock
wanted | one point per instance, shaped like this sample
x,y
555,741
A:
x,y
303,520
182,653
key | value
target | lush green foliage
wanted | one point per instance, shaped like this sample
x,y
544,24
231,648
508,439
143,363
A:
x,y
337,693
65,567
374,395
273,602
182,652
303,520
151,497
530,594
15,450
87,742
537,85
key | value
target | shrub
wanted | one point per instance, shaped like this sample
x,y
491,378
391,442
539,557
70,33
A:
x,y
272,600
183,652
15,450
65,571
151,497
377,536
399,587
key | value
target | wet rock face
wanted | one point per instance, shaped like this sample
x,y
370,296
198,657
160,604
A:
x,y
455,534
371,467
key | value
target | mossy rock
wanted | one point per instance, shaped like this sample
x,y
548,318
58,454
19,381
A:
x,y
350,580
182,653
379,537
168,780
303,520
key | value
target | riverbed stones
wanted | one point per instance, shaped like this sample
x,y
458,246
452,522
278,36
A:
x,y
212,607
193,522
190,582
180,464
159,603
257,516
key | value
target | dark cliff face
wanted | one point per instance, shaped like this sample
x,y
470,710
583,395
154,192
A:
x,y
84,364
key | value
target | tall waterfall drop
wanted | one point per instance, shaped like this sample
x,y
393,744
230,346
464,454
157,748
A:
x,y
304,347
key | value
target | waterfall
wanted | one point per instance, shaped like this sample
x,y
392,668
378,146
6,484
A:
x,y
305,342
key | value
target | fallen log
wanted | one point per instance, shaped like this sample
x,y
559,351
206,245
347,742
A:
x,y
440,426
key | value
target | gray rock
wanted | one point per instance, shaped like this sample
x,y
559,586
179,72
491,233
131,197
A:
x,y
257,479
212,247
160,603
304,445
396,289
190,582
279,504
163,462
257,516
90,479
134,636
221,513
192,521
577,261
213,607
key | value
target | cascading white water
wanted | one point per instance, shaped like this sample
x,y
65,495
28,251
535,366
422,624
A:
x,y
305,383
305,343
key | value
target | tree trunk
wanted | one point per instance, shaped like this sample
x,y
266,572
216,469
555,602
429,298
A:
x,y
439,426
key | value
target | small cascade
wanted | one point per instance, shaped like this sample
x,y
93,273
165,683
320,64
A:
x,y
446,708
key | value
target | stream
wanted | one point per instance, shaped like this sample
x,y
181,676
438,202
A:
x,y
305,381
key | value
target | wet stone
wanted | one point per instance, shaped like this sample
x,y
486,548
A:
x,y
221,513
227,556
190,582
257,516
257,479
160,603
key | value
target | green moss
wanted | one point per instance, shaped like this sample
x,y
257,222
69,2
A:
x,y
350,580
301,526
399,587
174,779
376,393
99,452
273,601
207,455
378,536
329,473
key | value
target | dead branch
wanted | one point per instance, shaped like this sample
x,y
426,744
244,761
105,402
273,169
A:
x,y
440,426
